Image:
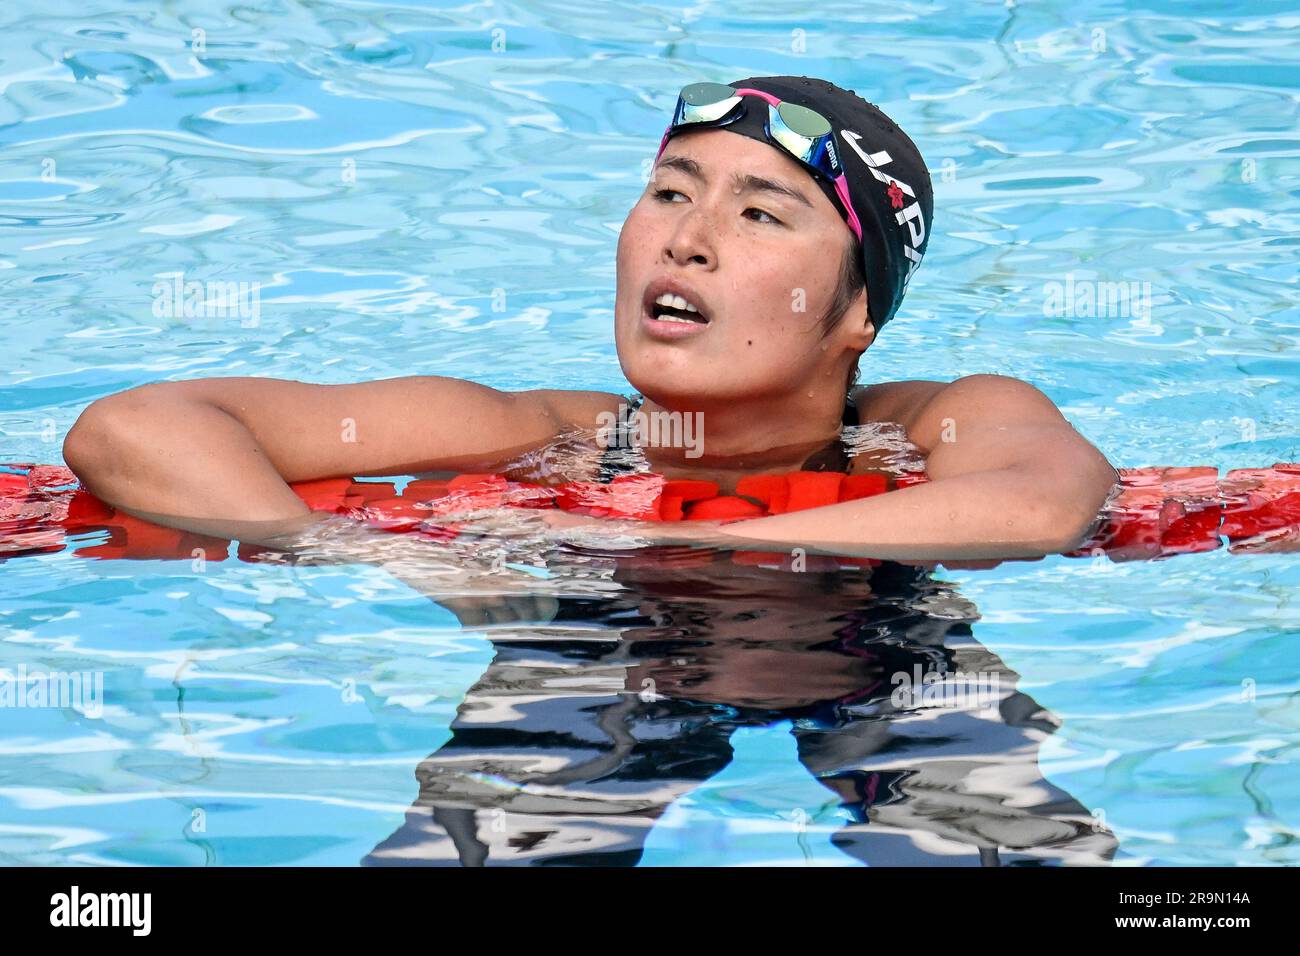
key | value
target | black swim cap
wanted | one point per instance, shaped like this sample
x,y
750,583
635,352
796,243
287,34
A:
x,y
887,178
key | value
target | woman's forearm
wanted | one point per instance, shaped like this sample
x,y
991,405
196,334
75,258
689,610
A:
x,y
182,463
988,514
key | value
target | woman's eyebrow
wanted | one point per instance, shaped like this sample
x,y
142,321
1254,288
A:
x,y
683,164
745,182
751,183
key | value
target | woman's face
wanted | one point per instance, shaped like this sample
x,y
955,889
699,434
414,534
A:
x,y
741,231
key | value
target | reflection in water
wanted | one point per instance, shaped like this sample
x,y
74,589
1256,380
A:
x,y
585,728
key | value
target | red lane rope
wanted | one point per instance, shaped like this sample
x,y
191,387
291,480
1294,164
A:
x,y
1157,512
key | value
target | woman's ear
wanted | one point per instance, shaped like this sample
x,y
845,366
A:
x,y
860,329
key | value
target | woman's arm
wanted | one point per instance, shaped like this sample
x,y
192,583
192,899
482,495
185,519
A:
x,y
1009,478
216,455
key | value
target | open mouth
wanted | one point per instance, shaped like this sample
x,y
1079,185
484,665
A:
x,y
674,308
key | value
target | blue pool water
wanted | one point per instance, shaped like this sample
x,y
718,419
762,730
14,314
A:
x,y
437,189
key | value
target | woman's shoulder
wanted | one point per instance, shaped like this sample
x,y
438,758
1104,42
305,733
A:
x,y
894,401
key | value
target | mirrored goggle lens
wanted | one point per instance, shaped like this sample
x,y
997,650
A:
x,y
805,134
704,103
804,121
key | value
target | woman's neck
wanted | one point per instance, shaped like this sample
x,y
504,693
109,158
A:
x,y
739,439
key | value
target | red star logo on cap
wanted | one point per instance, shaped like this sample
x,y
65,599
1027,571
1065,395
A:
x,y
895,195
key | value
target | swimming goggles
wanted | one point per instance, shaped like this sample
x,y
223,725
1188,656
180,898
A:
x,y
803,133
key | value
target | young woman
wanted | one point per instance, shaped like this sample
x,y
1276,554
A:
x,y
778,232
775,239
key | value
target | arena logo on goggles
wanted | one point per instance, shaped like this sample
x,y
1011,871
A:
x,y
911,215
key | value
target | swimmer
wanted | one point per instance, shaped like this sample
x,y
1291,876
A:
x,y
782,222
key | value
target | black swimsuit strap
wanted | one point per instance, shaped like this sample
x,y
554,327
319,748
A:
x,y
616,461
835,456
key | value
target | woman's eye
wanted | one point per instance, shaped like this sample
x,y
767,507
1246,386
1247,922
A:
x,y
770,218
662,194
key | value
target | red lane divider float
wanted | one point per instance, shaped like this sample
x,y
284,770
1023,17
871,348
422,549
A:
x,y
1158,512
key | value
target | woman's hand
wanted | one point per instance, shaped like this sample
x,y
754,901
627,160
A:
x,y
1277,541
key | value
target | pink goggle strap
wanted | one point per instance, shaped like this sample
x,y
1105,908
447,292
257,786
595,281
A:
x,y
842,190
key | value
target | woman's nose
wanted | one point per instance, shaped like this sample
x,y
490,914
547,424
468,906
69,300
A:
x,y
693,240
